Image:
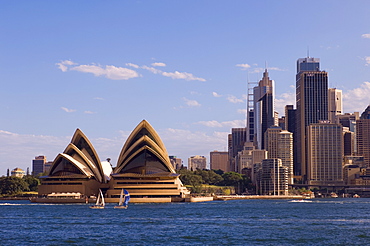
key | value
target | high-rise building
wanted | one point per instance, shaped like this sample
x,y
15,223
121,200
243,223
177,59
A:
x,y
272,178
264,108
291,126
236,141
335,106
280,145
197,162
38,165
325,154
176,162
312,104
219,160
363,136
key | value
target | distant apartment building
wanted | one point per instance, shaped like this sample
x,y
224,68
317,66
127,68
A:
x,y
176,162
38,165
197,162
325,154
219,160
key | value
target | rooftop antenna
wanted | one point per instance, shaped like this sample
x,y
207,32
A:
x,y
308,51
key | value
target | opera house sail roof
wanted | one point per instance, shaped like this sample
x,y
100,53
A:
x,y
143,168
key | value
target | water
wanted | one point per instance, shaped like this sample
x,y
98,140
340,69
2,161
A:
x,y
242,222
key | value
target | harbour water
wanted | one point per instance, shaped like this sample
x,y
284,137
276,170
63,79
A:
x,y
237,222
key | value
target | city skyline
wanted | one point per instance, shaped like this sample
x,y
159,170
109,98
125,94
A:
x,y
103,67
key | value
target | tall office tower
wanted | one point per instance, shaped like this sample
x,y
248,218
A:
x,y
335,106
38,165
237,138
197,162
291,126
312,104
176,162
325,154
280,145
363,136
272,178
219,160
264,108
250,112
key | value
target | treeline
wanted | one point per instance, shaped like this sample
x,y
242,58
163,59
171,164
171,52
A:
x,y
15,185
199,178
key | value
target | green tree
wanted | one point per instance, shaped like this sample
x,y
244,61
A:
x,y
12,185
32,182
231,178
209,176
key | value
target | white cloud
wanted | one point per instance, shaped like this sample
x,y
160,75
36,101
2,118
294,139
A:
x,y
367,59
286,98
182,75
242,111
234,99
243,66
98,98
68,110
158,64
215,94
152,69
89,112
63,65
110,72
229,124
132,65
191,103
356,100
366,35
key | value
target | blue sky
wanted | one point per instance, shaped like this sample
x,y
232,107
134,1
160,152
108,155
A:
x,y
103,66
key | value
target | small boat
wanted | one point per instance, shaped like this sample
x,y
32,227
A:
x,y
356,196
100,204
333,195
124,198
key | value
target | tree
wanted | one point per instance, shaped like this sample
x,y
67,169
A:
x,y
209,176
12,185
32,182
231,178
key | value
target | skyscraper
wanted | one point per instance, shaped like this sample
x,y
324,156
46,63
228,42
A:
x,y
325,154
264,108
236,141
334,104
219,160
38,165
312,103
363,136
291,126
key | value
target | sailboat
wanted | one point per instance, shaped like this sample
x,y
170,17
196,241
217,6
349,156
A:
x,y
100,204
124,198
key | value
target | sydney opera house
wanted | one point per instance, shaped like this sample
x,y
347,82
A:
x,y
143,168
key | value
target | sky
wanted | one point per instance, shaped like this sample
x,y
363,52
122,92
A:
x,y
184,66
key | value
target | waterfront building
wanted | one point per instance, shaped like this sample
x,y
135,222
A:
x,y
176,162
272,178
363,136
38,165
349,139
335,106
312,104
197,162
325,154
143,168
18,172
219,160
264,108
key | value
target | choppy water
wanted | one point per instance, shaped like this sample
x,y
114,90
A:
x,y
242,222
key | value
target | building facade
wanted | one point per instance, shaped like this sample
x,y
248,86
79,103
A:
x,y
363,136
219,160
197,162
325,154
264,109
38,165
335,106
272,178
312,104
